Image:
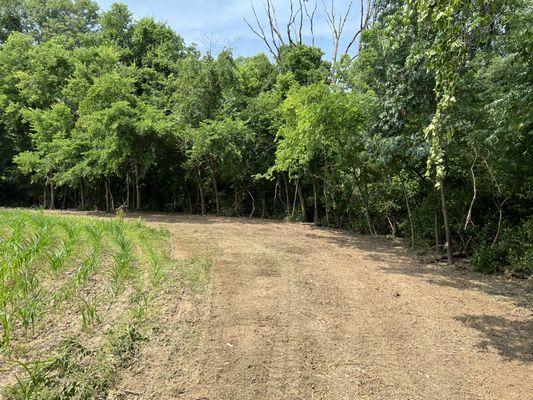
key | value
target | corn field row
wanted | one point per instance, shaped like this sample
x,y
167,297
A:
x,y
51,262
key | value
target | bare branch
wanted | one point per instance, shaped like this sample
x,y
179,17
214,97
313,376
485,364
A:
x,y
301,4
261,33
364,23
273,21
336,25
311,18
292,17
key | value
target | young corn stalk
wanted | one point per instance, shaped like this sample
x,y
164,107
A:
x,y
88,314
123,257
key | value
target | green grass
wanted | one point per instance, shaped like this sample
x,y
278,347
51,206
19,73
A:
x,y
62,279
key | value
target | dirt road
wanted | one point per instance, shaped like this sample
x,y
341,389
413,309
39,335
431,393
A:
x,y
295,312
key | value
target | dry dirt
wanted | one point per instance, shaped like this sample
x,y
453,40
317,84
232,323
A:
x,y
296,312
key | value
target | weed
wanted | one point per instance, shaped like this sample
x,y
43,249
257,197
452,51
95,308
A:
x,y
124,343
195,271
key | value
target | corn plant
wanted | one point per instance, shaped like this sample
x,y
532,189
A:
x,y
123,257
157,273
88,314
67,247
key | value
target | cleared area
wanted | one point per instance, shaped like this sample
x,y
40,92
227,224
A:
x,y
296,312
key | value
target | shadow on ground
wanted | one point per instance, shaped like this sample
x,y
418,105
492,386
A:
x,y
512,339
520,292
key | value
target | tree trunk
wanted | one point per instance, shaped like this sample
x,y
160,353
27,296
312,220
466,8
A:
x,y
200,190
500,216
411,220
253,204
137,187
302,203
237,200
295,196
189,202
392,225
326,204
45,195
437,232
52,197
110,195
449,252
263,207
106,195
64,198
82,195
315,206
215,186
128,190
287,201
364,193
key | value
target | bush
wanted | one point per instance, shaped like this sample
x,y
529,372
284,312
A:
x,y
512,254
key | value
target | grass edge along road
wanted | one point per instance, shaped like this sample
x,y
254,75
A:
x,y
78,296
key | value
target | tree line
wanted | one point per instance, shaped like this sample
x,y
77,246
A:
x,y
421,129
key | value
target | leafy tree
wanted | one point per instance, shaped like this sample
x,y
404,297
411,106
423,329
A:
x,y
426,133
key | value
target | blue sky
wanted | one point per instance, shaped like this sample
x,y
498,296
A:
x,y
213,24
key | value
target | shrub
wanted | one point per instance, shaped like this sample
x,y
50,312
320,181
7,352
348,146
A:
x,y
511,254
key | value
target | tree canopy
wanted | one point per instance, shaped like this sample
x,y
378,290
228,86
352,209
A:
x,y
422,129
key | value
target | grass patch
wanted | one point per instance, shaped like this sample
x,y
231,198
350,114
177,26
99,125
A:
x,y
195,271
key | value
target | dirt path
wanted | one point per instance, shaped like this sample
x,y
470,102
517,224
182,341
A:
x,y
294,312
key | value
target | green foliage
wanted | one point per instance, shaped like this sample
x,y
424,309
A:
x,y
101,111
512,254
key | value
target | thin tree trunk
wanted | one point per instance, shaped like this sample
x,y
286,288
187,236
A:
x,y
128,190
295,196
437,232
110,195
253,204
64,197
469,215
287,201
106,195
52,197
326,204
315,205
200,190
364,193
449,252
82,195
188,199
500,217
392,225
409,213
263,207
215,186
45,196
302,203
137,186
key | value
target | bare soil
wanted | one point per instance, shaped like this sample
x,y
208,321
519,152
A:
x,y
296,312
